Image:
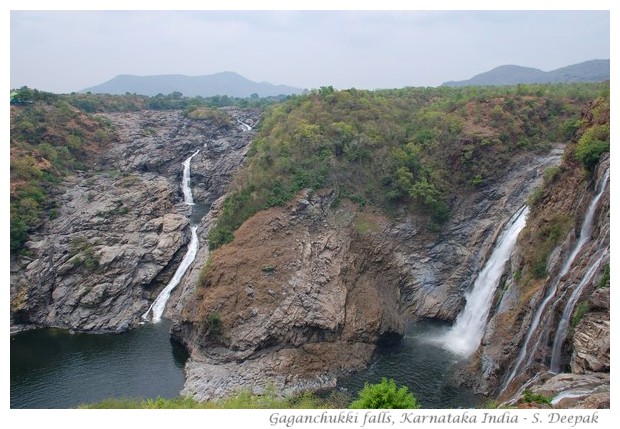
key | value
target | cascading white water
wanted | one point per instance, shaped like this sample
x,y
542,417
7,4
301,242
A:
x,y
245,126
185,184
159,304
465,335
570,394
562,328
584,236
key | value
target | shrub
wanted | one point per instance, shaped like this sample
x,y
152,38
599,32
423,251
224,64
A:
x,y
385,395
213,324
551,174
578,313
592,144
604,281
477,180
537,398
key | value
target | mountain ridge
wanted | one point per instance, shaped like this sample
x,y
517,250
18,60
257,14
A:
x,y
510,74
224,83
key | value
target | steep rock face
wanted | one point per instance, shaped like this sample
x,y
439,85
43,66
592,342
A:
x,y
440,268
518,306
576,390
93,267
296,296
591,341
121,228
529,330
305,293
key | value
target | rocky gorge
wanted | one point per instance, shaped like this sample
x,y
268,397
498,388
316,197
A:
x,y
121,227
307,292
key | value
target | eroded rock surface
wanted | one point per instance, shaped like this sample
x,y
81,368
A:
x,y
306,292
122,228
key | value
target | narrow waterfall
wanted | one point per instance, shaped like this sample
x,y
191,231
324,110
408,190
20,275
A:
x,y
185,184
465,335
560,333
245,126
159,304
584,236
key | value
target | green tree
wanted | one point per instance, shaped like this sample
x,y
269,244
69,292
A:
x,y
385,395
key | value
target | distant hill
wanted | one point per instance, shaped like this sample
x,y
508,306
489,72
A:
x,y
225,83
588,71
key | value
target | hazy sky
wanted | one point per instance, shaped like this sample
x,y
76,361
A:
x,y
64,51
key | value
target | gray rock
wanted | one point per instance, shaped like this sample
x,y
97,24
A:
x,y
591,344
120,229
576,390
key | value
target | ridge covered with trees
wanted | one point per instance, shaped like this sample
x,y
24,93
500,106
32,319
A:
x,y
410,150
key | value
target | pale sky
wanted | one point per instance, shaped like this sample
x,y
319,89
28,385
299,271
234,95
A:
x,y
65,51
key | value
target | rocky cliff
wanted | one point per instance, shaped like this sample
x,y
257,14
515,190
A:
x,y
549,331
120,228
306,292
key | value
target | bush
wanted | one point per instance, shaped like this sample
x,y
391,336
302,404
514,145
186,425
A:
x,y
385,395
604,281
530,397
213,325
582,309
592,144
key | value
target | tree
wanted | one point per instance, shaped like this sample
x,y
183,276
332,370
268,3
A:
x,y
385,395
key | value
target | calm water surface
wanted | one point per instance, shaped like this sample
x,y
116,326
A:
x,y
54,369
51,368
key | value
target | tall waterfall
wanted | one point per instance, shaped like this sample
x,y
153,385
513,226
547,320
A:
x,y
185,184
584,236
465,335
159,304
562,328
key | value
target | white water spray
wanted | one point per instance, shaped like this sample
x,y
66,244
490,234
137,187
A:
x,y
245,126
562,328
185,184
584,236
465,335
159,304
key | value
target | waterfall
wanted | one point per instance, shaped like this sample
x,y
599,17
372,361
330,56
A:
x,y
159,304
185,184
562,328
465,335
245,126
584,236
570,394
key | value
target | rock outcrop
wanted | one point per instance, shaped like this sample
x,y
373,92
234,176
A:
x,y
591,341
534,327
294,299
509,327
306,292
121,228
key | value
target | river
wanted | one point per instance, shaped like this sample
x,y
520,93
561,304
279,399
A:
x,y
419,362
51,368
